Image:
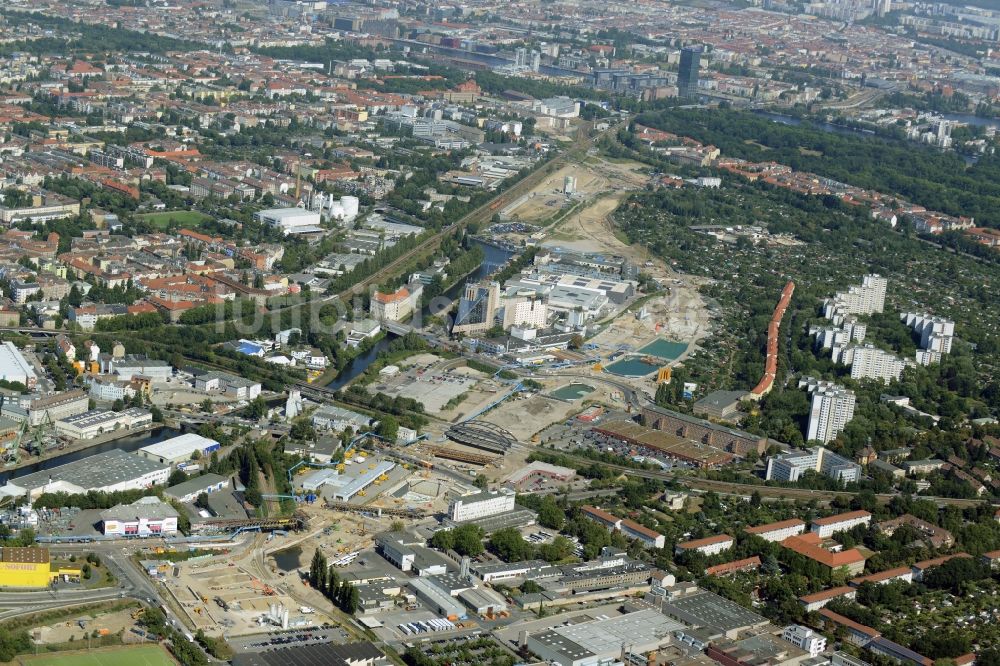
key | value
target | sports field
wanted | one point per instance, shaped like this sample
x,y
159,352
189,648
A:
x,y
139,655
185,218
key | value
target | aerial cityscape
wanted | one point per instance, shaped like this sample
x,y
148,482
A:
x,y
478,333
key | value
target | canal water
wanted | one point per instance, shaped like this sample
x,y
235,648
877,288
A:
x,y
288,559
129,444
493,259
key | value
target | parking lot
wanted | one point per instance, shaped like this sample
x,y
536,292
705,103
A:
x,y
275,639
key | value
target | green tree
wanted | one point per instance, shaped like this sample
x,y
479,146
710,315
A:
x,y
388,428
510,546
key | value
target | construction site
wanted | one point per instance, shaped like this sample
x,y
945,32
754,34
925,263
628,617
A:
x,y
220,596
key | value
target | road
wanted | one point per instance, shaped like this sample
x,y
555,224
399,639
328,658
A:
x,y
15,604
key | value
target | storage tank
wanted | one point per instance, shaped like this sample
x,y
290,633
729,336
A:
x,y
351,206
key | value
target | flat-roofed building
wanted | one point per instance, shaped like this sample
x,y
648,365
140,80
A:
x,y
789,467
179,449
99,422
481,505
109,471
716,615
600,641
14,367
188,491
290,220
51,408
804,639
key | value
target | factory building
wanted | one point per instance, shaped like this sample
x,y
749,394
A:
x,y
290,220
98,422
600,641
188,491
179,449
437,599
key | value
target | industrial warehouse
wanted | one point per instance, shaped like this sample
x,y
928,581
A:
x,y
108,471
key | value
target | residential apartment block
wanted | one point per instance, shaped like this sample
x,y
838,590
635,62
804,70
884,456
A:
x,y
779,531
712,545
824,527
832,408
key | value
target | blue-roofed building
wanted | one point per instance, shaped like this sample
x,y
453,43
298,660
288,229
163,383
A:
x,y
249,348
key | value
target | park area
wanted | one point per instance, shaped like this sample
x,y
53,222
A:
x,y
184,218
140,655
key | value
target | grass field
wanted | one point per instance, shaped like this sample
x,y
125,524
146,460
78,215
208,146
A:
x,y
185,218
140,655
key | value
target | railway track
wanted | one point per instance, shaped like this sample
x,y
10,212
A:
x,y
747,489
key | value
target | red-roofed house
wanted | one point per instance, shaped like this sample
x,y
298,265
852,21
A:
x,y
808,545
779,531
815,601
712,545
857,633
882,577
830,525
734,566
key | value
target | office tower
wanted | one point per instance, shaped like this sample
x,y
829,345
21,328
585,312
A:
x,y
687,77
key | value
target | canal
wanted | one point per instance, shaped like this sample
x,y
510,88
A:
x,y
129,444
493,259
